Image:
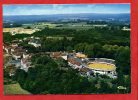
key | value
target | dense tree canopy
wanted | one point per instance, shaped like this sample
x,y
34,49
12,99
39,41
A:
x,y
47,77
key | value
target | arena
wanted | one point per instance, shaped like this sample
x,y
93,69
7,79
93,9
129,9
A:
x,y
103,67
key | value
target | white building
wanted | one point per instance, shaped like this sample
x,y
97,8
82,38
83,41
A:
x,y
126,29
35,42
64,57
25,64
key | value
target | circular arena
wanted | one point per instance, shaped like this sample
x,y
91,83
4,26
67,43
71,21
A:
x,y
101,66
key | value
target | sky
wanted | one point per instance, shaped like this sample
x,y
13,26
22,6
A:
x,y
47,9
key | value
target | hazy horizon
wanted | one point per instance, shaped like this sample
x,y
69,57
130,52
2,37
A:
x,y
54,9
69,14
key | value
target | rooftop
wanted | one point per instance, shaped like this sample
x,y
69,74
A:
x,y
74,61
80,55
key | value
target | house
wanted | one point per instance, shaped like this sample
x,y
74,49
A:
x,y
7,49
14,45
56,54
65,57
10,48
17,52
26,63
37,38
25,55
81,55
126,29
75,63
17,55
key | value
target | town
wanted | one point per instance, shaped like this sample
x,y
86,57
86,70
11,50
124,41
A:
x,y
79,49
86,66
20,49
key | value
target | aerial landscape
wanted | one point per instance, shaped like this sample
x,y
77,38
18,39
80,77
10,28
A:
x,y
66,49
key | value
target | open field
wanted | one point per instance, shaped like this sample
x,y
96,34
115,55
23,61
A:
x,y
58,37
14,89
78,26
74,27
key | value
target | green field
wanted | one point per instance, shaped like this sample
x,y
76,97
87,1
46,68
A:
x,y
75,26
58,37
14,89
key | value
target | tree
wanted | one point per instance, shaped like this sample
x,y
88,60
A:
x,y
97,49
20,76
80,47
7,37
123,60
104,87
69,48
89,50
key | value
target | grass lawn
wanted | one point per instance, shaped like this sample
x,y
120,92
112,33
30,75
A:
x,y
14,89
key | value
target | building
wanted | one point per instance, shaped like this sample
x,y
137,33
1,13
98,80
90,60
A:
x,y
65,57
25,55
75,63
103,68
56,54
35,42
10,48
17,52
126,29
104,60
26,63
90,66
17,55
81,55
7,48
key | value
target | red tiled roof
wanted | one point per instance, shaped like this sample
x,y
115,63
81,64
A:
x,y
8,47
72,61
56,54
